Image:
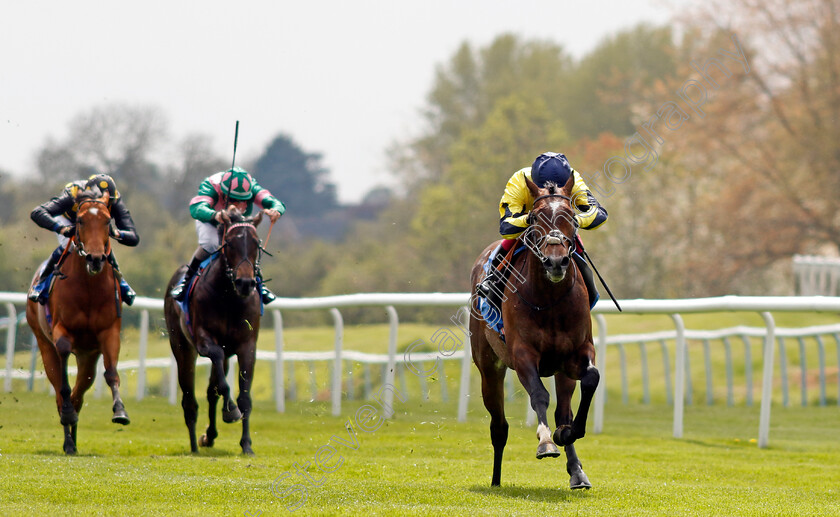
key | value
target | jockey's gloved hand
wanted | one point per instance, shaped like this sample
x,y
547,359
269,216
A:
x,y
113,232
272,214
67,231
218,217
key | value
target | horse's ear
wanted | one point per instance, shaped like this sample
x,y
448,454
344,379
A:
x,y
570,185
257,218
532,187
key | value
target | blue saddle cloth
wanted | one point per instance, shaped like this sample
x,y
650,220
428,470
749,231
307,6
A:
x,y
493,316
185,304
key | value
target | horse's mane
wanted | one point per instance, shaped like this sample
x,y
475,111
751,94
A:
x,y
236,216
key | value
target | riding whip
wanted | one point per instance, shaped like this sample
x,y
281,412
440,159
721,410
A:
x,y
585,254
235,139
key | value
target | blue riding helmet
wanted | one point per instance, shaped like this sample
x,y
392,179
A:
x,y
550,167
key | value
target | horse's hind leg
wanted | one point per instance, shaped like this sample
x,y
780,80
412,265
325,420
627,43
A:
x,y
110,340
185,357
493,394
230,411
563,419
247,359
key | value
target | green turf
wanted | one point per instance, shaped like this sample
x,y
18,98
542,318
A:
x,y
423,462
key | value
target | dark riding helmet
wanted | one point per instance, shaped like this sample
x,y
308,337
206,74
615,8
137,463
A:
x,y
103,183
550,167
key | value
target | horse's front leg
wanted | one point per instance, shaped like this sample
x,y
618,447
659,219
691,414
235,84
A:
x,y
563,420
526,369
247,359
110,347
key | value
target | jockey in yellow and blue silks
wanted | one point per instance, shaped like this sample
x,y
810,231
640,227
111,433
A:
x,y
517,202
231,187
59,215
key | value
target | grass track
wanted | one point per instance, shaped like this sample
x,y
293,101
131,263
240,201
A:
x,y
423,462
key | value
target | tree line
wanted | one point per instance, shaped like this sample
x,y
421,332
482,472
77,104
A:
x,y
719,196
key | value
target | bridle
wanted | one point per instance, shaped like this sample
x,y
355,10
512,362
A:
x,y
230,271
77,241
555,236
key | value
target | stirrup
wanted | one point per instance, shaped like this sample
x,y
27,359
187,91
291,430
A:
x,y
179,290
485,287
37,293
127,293
267,296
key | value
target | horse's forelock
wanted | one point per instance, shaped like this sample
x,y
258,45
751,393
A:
x,y
86,195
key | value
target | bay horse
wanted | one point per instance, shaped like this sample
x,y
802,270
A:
x,y
223,320
82,316
548,332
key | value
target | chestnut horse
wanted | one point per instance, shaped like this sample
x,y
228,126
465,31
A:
x,y
224,319
548,332
82,317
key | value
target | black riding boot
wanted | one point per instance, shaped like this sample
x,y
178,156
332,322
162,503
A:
x,y
266,295
492,287
588,279
39,287
179,291
127,294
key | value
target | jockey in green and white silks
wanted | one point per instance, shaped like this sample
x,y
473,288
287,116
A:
x,y
59,215
516,204
231,187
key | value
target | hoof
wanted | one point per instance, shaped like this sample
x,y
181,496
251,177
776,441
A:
x,y
203,441
232,415
120,416
247,451
69,448
563,436
579,480
547,450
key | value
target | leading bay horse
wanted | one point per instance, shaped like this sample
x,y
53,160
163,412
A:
x,y
224,319
82,316
548,332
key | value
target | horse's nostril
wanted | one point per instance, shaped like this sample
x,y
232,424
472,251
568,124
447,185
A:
x,y
565,261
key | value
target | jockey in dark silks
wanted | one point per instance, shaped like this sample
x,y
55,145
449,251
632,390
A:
x,y
233,186
59,215
517,203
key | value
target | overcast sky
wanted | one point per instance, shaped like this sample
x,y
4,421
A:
x,y
344,78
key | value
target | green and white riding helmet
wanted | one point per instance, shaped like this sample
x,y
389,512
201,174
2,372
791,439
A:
x,y
237,184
